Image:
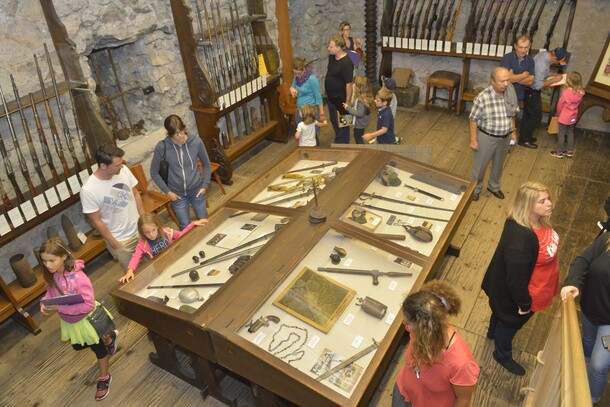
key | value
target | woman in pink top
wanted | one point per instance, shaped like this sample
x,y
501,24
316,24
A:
x,y
567,113
440,370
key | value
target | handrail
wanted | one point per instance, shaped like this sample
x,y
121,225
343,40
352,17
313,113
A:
x,y
574,382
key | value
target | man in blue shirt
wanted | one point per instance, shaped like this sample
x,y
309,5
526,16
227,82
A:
x,y
521,71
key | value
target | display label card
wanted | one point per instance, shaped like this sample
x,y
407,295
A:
x,y
81,236
348,319
15,217
405,43
314,341
410,209
429,201
248,86
28,210
52,197
508,49
416,200
258,338
238,95
398,194
411,43
391,42
477,49
500,52
431,45
485,49
347,262
84,176
244,91
424,45
260,82
62,189
447,46
410,220
40,203
74,184
453,197
357,341
4,226
375,221
459,47
385,41
417,43
391,317
174,295
493,49
393,285
439,46
437,228
232,97
469,47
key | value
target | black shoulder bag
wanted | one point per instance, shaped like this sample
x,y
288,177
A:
x,y
164,165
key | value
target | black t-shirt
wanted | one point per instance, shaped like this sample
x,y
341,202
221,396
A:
x,y
340,73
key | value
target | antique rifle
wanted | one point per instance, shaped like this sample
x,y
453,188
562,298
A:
x,y
10,173
439,24
469,29
223,63
427,18
62,116
81,138
20,158
484,26
224,254
56,141
534,26
549,33
28,137
417,17
502,22
411,17
378,208
518,20
199,22
396,22
433,18
348,361
373,273
527,21
46,153
454,21
227,51
510,23
403,19
477,22
6,201
492,24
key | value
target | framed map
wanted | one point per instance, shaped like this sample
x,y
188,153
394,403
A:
x,y
315,299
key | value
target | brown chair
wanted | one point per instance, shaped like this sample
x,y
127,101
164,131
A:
x,y
443,80
288,104
153,200
215,167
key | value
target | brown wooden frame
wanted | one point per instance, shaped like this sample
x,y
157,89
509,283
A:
x,y
594,86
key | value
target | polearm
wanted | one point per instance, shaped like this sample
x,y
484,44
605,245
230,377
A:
x,y
416,20
28,137
81,138
439,24
409,25
502,22
46,153
492,24
56,141
22,163
534,26
484,26
469,29
396,22
373,273
517,24
510,23
225,253
456,14
549,33
10,173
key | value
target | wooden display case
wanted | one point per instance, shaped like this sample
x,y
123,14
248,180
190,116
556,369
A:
x,y
216,334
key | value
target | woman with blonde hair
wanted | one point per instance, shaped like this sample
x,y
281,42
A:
x,y
523,276
439,369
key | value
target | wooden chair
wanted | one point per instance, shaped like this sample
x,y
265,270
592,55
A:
x,y
153,200
288,104
215,167
443,80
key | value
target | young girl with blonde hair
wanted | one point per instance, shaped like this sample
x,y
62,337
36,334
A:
x,y
567,114
361,107
306,129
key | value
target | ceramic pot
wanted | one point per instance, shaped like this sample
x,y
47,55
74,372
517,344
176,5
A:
x,y
71,234
23,270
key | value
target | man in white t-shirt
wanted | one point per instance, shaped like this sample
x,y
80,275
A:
x,y
112,203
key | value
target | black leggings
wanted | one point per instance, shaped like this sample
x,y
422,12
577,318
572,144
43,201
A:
x,y
99,349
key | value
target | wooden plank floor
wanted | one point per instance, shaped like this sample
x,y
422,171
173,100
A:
x,y
43,371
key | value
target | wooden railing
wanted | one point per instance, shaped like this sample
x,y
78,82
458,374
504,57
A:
x,y
560,377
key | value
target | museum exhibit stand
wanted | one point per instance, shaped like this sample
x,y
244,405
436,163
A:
x,y
302,273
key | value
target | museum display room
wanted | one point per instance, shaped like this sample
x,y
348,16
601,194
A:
x,y
296,284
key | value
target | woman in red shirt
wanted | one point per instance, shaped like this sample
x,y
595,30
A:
x,y
439,370
523,276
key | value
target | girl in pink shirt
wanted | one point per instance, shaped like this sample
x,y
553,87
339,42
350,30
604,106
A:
x,y
567,113
439,370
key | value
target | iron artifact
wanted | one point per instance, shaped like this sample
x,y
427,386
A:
x,y
420,233
348,361
263,321
373,273
399,213
421,191
323,165
365,195
372,307
189,295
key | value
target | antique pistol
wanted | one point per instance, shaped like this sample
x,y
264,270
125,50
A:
x,y
373,273
254,326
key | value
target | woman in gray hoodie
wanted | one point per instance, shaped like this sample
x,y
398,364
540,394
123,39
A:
x,y
186,185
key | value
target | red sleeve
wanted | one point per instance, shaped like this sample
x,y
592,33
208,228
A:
x,y
177,234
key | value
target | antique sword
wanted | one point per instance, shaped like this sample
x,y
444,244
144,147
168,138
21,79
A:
x,y
348,361
366,195
421,191
373,273
150,287
323,165
362,204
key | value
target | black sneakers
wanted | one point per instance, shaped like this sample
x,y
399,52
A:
x,y
510,365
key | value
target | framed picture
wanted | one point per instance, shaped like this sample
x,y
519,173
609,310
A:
x,y
362,217
315,299
599,83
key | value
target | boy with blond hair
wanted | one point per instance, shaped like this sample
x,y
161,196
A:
x,y
385,119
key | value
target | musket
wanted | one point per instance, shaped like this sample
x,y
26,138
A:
x,y
373,273
469,29
484,26
534,26
477,22
424,24
216,60
6,201
46,153
229,124
225,253
223,65
528,19
248,55
502,22
492,24
416,20
28,137
199,22
378,208
323,165
453,22
441,17
549,33
10,173
20,158
81,138
432,20
403,19
411,17
348,361
515,30
396,22
227,50
510,23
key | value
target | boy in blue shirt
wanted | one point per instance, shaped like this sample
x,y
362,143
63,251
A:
x,y
385,120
